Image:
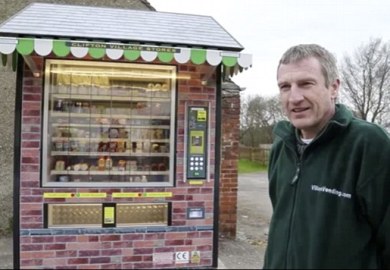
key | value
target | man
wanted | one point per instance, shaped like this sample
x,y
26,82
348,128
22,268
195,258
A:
x,y
329,174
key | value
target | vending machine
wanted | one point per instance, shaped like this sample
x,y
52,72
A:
x,y
116,138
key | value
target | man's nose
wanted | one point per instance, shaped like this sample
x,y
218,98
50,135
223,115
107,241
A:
x,y
295,94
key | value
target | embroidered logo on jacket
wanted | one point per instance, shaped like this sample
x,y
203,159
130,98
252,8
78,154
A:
x,y
331,191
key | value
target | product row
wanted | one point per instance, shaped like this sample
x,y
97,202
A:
x,y
92,169
110,178
124,90
128,108
105,163
126,148
107,132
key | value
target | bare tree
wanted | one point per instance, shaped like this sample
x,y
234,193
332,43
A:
x,y
366,81
258,116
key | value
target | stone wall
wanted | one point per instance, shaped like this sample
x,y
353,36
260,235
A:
x,y
7,105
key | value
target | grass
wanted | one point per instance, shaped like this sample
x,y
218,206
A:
x,y
247,166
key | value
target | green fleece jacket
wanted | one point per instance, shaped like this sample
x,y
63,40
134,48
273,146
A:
x,y
331,205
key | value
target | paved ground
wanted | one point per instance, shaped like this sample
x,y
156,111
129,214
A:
x,y
244,252
253,216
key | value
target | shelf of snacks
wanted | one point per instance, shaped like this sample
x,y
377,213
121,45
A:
x,y
99,117
111,172
69,153
157,97
103,125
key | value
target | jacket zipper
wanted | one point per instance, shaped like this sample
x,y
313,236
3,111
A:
x,y
293,182
296,176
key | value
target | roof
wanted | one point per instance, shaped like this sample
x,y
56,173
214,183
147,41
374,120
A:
x,y
114,33
122,25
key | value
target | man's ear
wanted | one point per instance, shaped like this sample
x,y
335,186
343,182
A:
x,y
335,86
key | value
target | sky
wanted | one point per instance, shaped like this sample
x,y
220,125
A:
x,y
267,28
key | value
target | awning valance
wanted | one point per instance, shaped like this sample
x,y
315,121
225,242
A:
x,y
114,51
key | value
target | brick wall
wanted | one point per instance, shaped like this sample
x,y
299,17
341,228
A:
x,y
116,248
229,170
112,251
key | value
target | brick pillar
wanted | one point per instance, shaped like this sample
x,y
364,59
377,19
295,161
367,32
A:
x,y
229,163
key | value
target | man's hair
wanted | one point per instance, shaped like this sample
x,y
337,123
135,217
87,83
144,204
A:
x,y
303,51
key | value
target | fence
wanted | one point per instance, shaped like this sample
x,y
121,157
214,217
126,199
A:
x,y
258,154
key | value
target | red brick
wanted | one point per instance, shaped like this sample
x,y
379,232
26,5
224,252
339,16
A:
x,y
206,234
30,120
122,244
193,234
172,236
50,262
179,210
31,247
30,144
178,198
66,253
178,222
154,236
133,237
145,265
147,243
30,160
30,97
111,252
176,217
43,239
29,168
78,261
32,199
174,242
37,254
31,153
31,212
114,266
164,249
88,253
104,238
100,260
65,238
132,258
30,263
205,248
196,204
31,112
143,251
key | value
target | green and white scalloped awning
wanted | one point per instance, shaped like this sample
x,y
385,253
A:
x,y
114,51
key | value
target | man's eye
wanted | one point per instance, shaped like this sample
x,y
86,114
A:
x,y
306,84
284,88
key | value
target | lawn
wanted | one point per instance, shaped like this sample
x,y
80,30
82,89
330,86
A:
x,y
247,166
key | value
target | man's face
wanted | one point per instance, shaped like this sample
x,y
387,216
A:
x,y
307,102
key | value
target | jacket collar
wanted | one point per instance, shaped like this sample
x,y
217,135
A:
x,y
340,120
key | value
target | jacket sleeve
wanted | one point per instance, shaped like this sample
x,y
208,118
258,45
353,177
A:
x,y
384,240
374,192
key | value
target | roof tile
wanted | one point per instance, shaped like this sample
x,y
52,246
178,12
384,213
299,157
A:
x,y
87,22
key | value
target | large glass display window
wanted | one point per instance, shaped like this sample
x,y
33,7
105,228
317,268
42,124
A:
x,y
108,124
